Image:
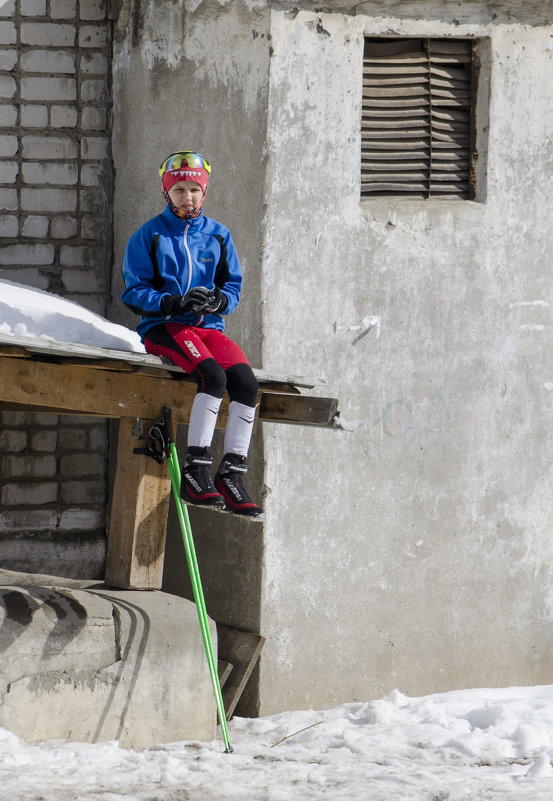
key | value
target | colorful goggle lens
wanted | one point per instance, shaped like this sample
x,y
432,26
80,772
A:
x,y
182,159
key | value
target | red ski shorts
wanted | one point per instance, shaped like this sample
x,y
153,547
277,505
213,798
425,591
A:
x,y
187,346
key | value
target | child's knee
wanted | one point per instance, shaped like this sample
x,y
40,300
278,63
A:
x,y
210,378
242,384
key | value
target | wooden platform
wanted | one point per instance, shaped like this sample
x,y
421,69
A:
x,y
81,379
60,377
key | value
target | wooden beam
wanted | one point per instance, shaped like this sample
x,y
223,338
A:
x,y
81,390
138,519
90,389
301,409
14,352
32,346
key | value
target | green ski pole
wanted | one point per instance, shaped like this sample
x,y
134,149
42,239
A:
x,y
186,531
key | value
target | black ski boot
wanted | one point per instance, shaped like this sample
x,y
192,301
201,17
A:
x,y
196,484
229,481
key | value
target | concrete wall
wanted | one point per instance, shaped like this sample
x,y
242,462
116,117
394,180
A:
x,y
414,550
55,234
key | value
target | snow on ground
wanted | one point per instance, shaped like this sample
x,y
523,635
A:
x,y
482,745
29,312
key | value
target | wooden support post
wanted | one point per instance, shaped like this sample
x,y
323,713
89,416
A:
x,y
138,520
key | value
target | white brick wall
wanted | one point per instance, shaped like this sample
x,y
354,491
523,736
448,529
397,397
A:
x,y
8,145
8,171
47,199
35,226
55,234
27,520
51,61
49,147
38,88
34,116
26,254
8,86
9,226
48,34
8,32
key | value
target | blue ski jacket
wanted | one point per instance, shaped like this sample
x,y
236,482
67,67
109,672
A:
x,y
169,256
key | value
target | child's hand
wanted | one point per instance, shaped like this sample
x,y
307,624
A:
x,y
217,303
198,299
172,305
195,300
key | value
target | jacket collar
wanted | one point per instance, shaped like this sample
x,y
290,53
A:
x,y
179,225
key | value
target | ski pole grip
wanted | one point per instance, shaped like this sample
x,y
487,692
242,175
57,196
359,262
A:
x,y
168,416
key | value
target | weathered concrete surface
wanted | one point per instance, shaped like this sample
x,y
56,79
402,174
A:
x,y
80,662
198,72
414,550
60,554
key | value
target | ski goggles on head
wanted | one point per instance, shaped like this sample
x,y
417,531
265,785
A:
x,y
183,159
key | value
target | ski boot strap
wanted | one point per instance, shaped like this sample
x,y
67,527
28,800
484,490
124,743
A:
x,y
197,459
228,466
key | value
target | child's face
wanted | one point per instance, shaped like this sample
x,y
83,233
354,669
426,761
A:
x,y
186,195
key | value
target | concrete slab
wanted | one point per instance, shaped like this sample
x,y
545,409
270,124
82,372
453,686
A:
x,y
80,662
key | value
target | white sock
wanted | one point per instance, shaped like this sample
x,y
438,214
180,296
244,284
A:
x,y
238,432
203,418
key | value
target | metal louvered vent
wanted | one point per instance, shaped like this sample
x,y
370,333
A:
x,y
417,126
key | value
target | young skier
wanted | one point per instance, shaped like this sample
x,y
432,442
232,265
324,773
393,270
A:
x,y
182,276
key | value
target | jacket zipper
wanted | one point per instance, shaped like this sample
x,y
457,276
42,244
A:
x,y
189,257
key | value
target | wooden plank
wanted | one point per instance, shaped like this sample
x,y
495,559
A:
x,y
138,518
224,669
450,45
398,92
266,379
15,352
61,389
102,364
381,124
242,650
23,346
390,156
288,389
392,166
78,390
382,47
390,148
298,409
405,78
72,349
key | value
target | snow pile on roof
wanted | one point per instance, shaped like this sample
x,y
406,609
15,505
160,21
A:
x,y
29,312
458,746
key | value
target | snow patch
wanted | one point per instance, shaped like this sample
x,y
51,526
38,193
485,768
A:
x,y
29,312
446,747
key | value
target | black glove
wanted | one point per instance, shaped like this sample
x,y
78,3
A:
x,y
172,305
196,300
217,303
